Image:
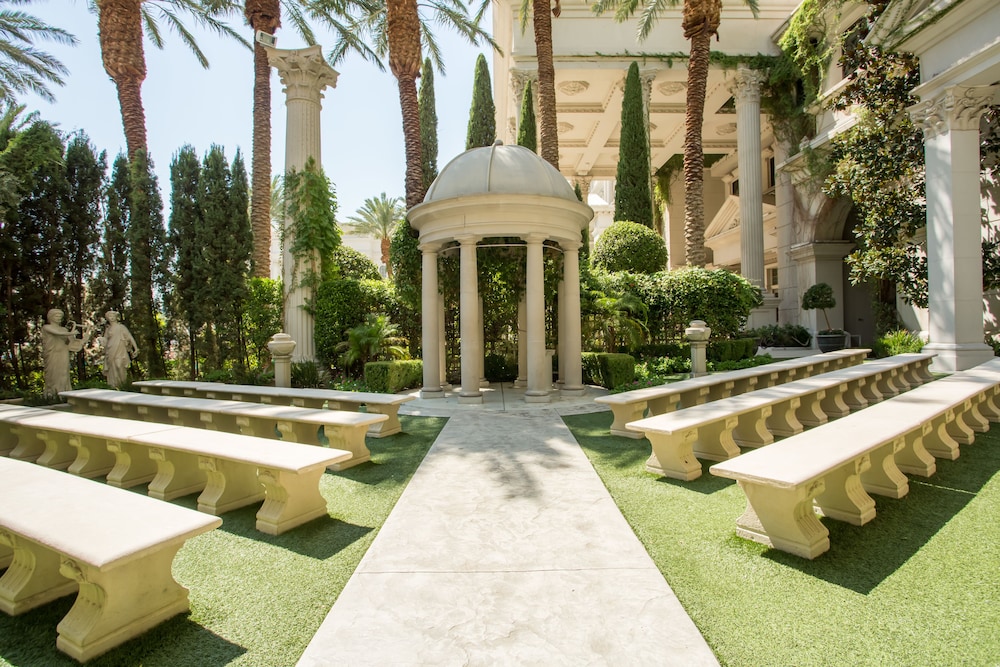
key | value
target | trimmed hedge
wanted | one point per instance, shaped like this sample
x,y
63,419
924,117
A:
x,y
629,246
388,377
608,370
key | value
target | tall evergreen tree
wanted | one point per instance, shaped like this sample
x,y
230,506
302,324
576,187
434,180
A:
x,y
147,247
428,126
112,285
213,200
527,130
185,236
482,115
633,197
83,208
239,257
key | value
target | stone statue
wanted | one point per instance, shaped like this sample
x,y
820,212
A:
x,y
119,349
58,342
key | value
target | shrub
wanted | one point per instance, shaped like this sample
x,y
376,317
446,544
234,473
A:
x,y
388,377
344,304
731,349
354,264
735,365
628,246
309,375
783,335
896,342
608,370
499,368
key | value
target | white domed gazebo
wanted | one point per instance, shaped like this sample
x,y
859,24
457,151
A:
x,y
502,191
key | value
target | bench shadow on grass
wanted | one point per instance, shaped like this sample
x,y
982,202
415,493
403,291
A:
x,y
29,640
861,557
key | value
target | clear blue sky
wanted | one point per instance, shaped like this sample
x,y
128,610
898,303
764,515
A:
x,y
361,124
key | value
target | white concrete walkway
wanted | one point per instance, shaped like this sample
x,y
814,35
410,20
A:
x,y
506,549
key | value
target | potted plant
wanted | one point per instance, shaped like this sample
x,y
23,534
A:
x,y
820,296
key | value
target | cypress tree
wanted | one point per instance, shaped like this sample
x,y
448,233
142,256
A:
x,y
428,125
633,199
113,271
241,252
213,201
185,237
482,115
527,130
147,244
85,172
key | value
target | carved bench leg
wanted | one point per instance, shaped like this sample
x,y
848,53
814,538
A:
x,y
318,404
913,458
661,406
989,408
784,519
299,432
887,384
974,417
751,429
6,556
257,427
845,498
93,458
177,474
58,453
352,439
120,603
853,395
624,414
390,426
289,499
721,390
8,438
693,397
833,403
29,446
132,465
715,441
957,426
938,441
32,578
870,388
810,411
783,420
673,455
228,485
883,477
744,385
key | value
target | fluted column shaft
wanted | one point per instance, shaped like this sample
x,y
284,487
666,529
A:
x,y
746,90
539,377
471,333
572,341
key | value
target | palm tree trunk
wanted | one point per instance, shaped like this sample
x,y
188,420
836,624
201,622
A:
x,y
542,22
264,15
403,35
386,242
694,159
120,32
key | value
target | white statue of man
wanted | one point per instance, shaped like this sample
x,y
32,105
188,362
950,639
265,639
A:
x,y
119,348
58,342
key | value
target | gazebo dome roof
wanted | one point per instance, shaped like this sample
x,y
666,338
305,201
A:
x,y
499,169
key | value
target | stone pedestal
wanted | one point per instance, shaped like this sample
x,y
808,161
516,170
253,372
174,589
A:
x,y
304,74
697,335
281,347
766,314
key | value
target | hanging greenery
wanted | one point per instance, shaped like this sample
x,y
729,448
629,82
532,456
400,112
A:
x,y
311,207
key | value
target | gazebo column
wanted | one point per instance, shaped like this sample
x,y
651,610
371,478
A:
x,y
522,343
481,327
561,329
571,341
470,331
539,377
442,330
429,323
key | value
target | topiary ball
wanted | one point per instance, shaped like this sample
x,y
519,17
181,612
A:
x,y
628,246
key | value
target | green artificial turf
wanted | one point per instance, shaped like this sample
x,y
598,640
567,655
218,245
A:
x,y
255,599
919,585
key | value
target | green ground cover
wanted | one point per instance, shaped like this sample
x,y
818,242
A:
x,y
255,599
919,585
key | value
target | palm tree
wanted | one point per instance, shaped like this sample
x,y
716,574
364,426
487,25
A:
x,y
120,29
377,339
542,24
397,30
23,68
700,21
378,218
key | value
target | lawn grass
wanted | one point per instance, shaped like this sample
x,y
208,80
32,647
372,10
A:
x,y
919,585
255,599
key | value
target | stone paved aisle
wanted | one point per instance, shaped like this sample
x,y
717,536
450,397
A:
x,y
506,549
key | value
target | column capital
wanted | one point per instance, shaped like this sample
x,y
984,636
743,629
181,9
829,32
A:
x,y
531,239
746,85
957,108
468,239
570,246
430,248
303,72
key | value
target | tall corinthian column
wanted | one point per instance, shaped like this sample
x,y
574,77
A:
x,y
572,343
950,123
746,90
304,74
429,323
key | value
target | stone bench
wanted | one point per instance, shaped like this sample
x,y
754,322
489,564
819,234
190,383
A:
x,y
230,470
716,430
114,549
343,430
630,406
835,467
375,403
